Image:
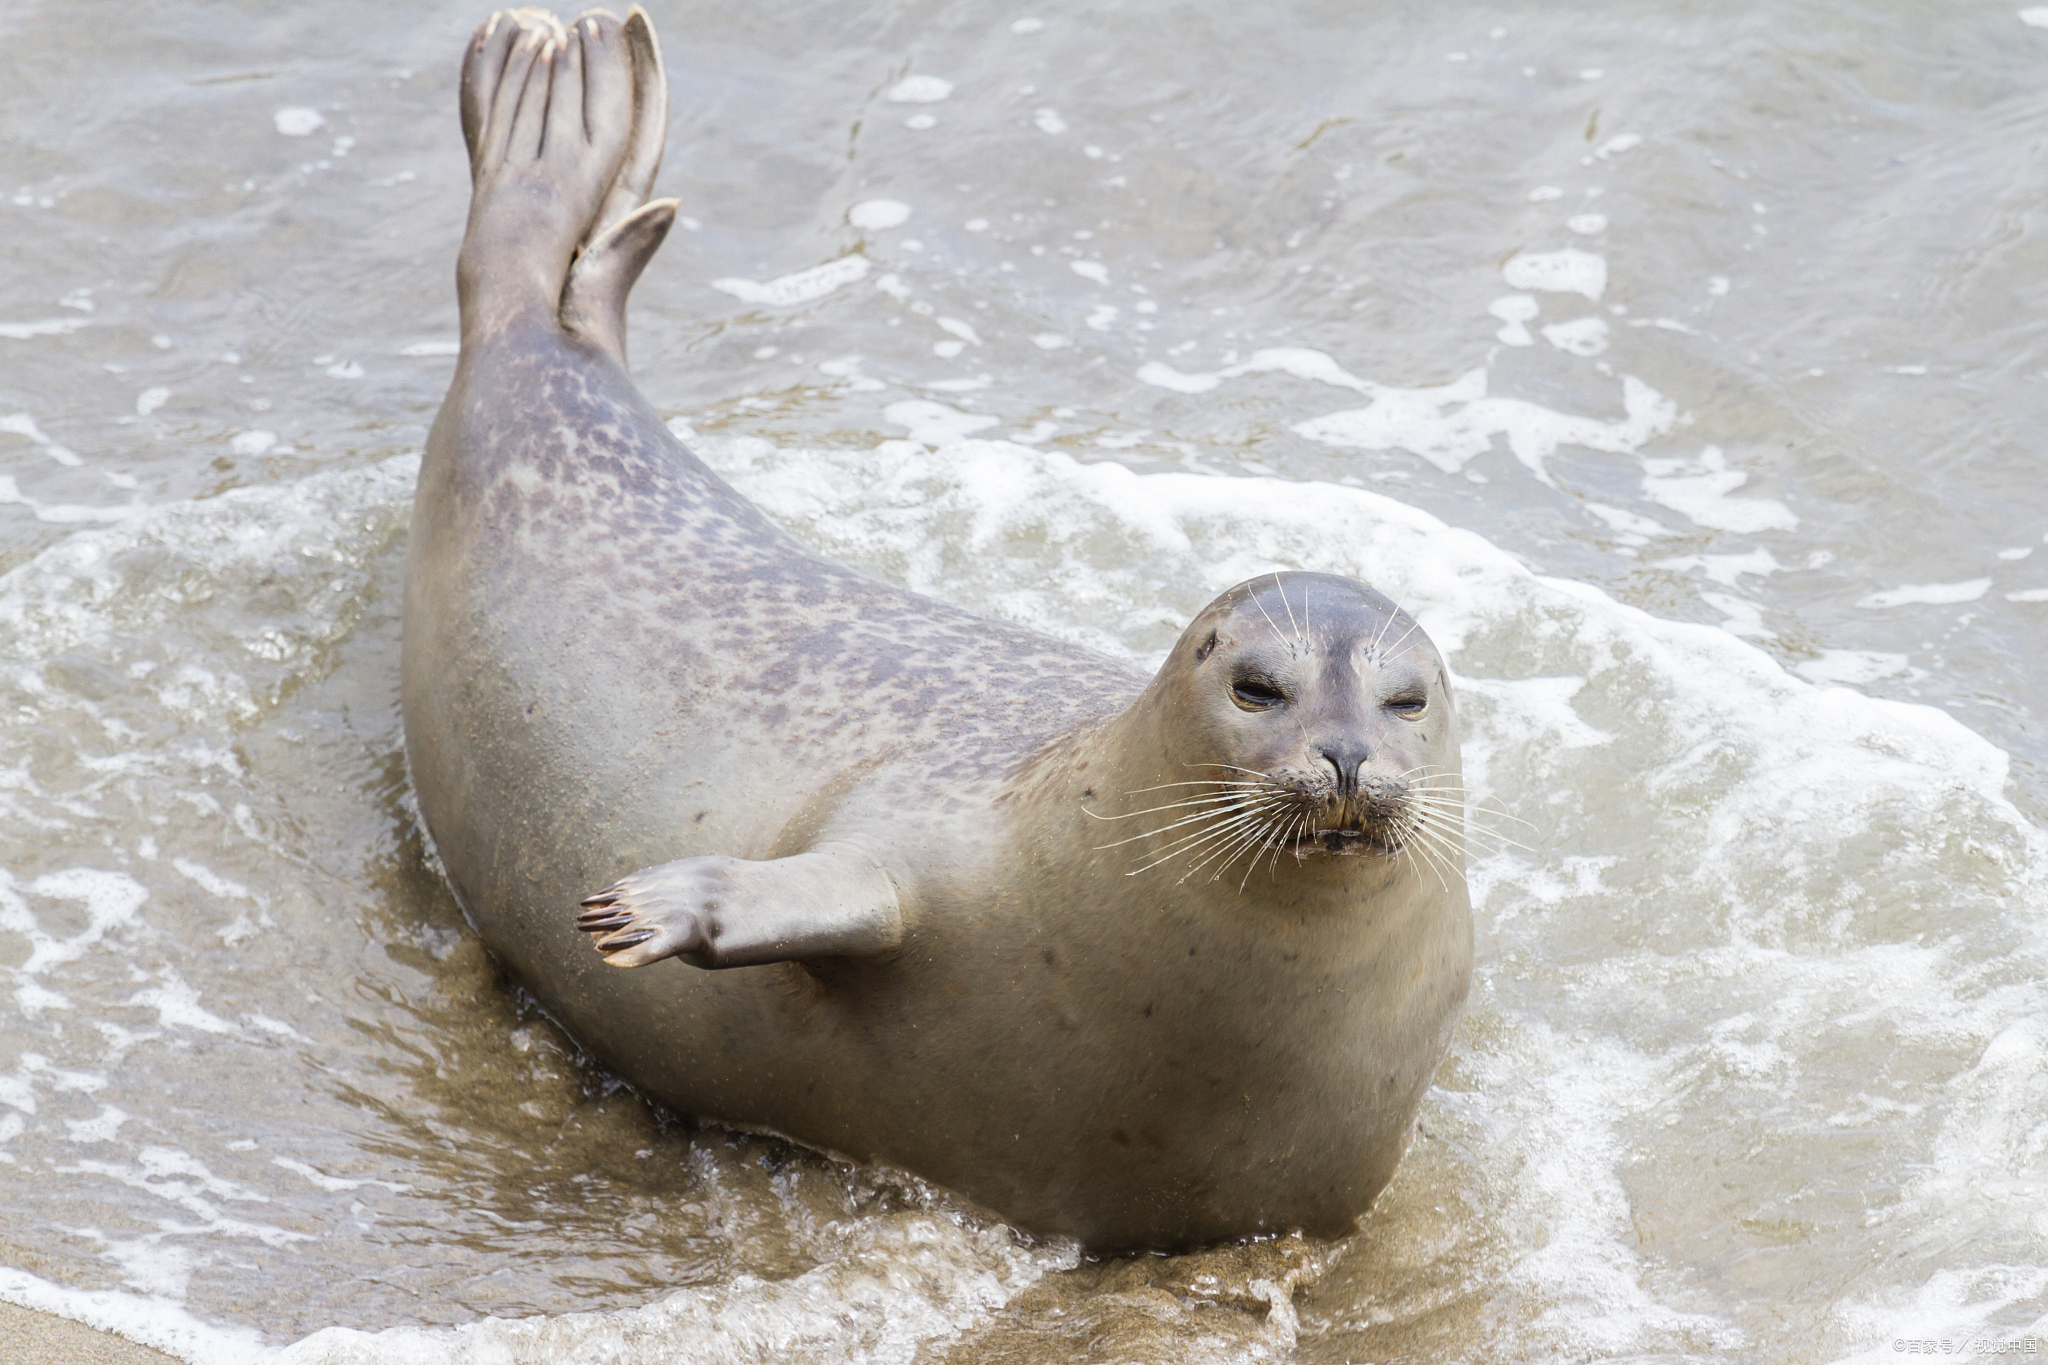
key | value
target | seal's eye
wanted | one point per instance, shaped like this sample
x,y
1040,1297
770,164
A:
x,y
1408,706
1254,693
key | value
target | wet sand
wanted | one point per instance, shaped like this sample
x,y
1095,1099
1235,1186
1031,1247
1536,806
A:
x,y
31,1338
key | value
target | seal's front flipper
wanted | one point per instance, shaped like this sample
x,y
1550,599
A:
x,y
730,912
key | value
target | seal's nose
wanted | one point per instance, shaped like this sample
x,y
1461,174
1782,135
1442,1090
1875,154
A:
x,y
1347,756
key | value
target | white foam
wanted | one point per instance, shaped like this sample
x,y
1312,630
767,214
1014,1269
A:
x,y
1515,311
334,1184
2035,16
1451,424
1739,616
1049,121
1541,706
1927,594
296,120
18,1092
1161,375
1726,569
1570,271
65,513
42,327
1853,666
920,90
147,1321
1947,1314
177,1005
21,424
431,348
212,881
184,1182
253,442
876,215
1448,424
804,286
1698,489
1636,528
1580,336
111,900
103,1127
151,1263
90,586
936,424
1297,361
1574,1258
900,1282
1090,270
1587,224
274,1026
59,1078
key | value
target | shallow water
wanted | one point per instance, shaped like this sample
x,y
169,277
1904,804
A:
x,y
1730,524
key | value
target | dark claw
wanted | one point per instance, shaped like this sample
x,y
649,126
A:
x,y
613,945
597,923
609,896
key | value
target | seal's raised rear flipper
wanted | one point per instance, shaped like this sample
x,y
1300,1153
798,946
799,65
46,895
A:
x,y
730,912
565,129
635,179
594,303
628,229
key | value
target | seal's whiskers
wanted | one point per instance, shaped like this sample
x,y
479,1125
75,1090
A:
x,y
1188,843
1203,817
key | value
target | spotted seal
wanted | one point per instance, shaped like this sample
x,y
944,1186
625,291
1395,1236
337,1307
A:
x,y
1149,962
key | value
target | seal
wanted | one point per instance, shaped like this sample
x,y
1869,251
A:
x,y
1150,962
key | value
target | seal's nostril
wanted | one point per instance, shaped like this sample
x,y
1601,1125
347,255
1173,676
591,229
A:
x,y
1346,756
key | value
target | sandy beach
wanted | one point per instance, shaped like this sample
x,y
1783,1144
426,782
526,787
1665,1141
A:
x,y
31,1338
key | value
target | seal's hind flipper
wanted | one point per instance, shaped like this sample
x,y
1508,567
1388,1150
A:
x,y
732,912
628,229
635,180
548,115
594,303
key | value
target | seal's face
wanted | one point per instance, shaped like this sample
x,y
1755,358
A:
x,y
1318,717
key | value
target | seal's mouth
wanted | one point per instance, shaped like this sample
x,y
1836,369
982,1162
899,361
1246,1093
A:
x,y
1348,841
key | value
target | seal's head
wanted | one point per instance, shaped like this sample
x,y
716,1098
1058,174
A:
x,y
1308,716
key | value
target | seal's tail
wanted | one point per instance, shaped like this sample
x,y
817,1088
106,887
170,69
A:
x,y
565,129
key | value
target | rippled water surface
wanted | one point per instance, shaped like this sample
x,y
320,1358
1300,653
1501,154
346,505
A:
x,y
1680,365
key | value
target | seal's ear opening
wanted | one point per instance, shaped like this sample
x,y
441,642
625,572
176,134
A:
x,y
1206,648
